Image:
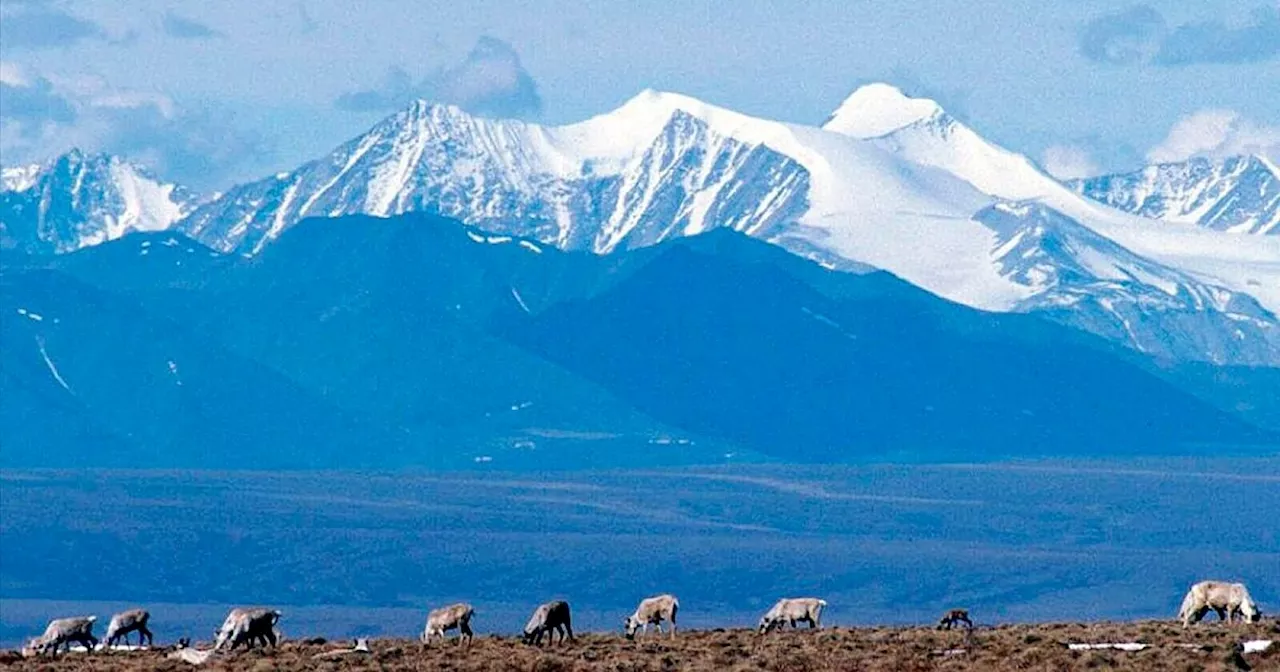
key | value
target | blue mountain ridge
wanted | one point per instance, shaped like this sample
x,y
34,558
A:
x,y
418,341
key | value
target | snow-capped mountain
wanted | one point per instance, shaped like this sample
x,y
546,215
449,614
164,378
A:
x,y
19,178
77,200
1091,282
566,187
1238,195
889,182
661,165
1055,243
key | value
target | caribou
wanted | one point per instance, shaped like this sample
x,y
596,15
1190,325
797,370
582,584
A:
x,y
62,631
549,619
453,617
792,610
653,610
125,622
953,618
245,626
1228,600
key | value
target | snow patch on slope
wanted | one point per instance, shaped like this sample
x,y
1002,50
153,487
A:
x,y
19,178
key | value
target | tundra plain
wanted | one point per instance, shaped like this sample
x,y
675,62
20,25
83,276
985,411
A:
x,y
1209,648
346,554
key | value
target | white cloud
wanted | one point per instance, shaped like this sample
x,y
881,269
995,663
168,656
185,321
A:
x,y
1216,133
13,74
132,100
46,116
1067,162
491,81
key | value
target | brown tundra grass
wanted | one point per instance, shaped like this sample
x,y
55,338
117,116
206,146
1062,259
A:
x,y
902,649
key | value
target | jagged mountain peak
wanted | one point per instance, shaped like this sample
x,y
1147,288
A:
x,y
1238,194
74,160
79,199
19,178
877,109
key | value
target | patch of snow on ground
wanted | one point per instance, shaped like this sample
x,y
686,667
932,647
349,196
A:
x,y
1122,646
52,368
1256,645
520,300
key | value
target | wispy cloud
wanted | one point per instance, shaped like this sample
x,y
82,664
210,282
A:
x,y
1140,34
183,28
41,25
30,102
490,81
1216,133
43,116
1068,162
1124,37
1216,42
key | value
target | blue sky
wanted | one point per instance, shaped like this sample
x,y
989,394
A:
x,y
221,91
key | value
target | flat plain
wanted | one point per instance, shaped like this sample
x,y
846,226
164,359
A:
x,y
1207,648
346,554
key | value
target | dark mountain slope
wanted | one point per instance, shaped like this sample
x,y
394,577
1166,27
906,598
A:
x,y
868,366
425,342
90,379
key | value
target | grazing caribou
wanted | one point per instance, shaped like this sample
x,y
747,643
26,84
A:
x,y
1227,599
125,622
453,617
953,618
62,631
792,610
245,626
653,610
549,619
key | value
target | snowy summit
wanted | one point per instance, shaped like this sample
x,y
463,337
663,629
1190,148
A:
x,y
879,109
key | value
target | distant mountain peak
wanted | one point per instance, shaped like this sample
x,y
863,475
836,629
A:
x,y
1238,194
878,109
19,178
80,199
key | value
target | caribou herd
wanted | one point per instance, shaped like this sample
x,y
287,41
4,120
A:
x,y
248,627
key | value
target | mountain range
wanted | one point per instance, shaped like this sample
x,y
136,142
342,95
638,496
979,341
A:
x,y
889,182
669,281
